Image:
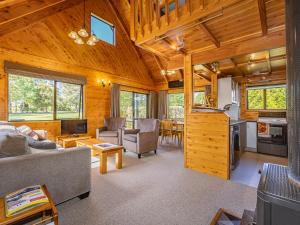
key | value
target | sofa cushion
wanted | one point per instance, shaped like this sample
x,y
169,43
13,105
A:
x,y
12,144
130,137
43,145
7,127
26,130
109,134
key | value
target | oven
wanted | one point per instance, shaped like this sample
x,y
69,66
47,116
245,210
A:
x,y
272,139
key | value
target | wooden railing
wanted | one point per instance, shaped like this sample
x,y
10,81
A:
x,y
148,17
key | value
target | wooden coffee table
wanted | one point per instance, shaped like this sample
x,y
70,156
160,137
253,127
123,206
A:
x,y
47,211
103,153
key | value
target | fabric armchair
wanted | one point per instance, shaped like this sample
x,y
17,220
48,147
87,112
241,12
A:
x,y
144,139
112,130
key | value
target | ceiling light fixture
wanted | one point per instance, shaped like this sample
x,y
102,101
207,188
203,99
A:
x,y
79,36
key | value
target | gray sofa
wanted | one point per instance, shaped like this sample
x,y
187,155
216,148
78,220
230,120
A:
x,y
112,130
66,173
143,139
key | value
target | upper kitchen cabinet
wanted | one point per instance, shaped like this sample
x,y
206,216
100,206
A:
x,y
228,92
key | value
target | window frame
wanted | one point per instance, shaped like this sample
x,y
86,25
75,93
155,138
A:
x,y
168,105
54,101
109,24
133,93
264,88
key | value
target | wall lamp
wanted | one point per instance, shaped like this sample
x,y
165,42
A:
x,y
103,82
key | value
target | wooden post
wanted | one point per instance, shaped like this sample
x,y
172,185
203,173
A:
x,y
188,71
214,89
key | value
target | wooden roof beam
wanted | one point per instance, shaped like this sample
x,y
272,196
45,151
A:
x,y
8,3
160,66
209,34
236,67
263,16
173,46
207,78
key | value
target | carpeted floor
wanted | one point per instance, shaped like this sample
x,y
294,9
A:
x,y
156,190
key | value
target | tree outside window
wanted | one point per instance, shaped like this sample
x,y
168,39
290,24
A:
x,y
176,106
267,98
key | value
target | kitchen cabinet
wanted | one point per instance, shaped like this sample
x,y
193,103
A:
x,y
228,92
251,136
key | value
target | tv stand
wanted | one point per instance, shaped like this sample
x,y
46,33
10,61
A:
x,y
69,141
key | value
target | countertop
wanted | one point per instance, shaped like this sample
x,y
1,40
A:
x,y
236,122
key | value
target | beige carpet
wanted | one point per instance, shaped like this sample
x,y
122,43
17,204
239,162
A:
x,y
156,190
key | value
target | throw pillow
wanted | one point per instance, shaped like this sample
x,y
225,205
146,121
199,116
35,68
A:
x,y
27,131
12,144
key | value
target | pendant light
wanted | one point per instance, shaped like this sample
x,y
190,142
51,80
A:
x,y
79,36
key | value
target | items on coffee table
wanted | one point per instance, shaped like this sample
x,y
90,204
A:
x,y
104,150
28,203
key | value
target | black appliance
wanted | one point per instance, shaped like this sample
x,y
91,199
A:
x,y
234,146
278,193
175,84
274,140
73,127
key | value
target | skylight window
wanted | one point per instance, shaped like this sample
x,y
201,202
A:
x,y
103,30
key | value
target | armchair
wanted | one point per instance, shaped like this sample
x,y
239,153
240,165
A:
x,y
112,130
144,139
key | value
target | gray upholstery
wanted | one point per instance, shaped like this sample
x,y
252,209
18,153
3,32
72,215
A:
x,y
109,134
43,144
66,173
13,144
144,139
112,130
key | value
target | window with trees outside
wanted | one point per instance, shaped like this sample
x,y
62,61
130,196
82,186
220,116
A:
x,y
133,106
176,106
40,99
267,98
199,97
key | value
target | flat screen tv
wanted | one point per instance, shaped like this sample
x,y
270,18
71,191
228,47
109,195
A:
x,y
70,127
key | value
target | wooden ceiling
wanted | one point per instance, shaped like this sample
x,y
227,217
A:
x,y
256,68
46,35
206,24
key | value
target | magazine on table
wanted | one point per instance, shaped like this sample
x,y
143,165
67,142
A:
x,y
106,146
24,199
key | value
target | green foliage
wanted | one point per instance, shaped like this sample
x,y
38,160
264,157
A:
x,y
33,99
267,98
256,99
199,97
132,106
276,98
176,106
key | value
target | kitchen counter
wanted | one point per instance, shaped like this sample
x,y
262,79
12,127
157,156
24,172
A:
x,y
236,122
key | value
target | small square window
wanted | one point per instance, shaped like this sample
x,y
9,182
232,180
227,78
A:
x,y
103,30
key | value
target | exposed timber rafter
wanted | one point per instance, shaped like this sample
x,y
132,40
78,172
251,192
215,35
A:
x,y
263,16
209,34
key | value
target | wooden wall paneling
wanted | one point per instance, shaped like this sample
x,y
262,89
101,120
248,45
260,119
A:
x,y
206,135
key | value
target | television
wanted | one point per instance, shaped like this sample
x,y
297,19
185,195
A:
x,y
71,127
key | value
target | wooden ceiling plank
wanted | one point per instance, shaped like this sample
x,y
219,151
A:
x,y
161,67
176,9
123,27
173,45
209,34
236,67
263,16
8,3
33,16
132,20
